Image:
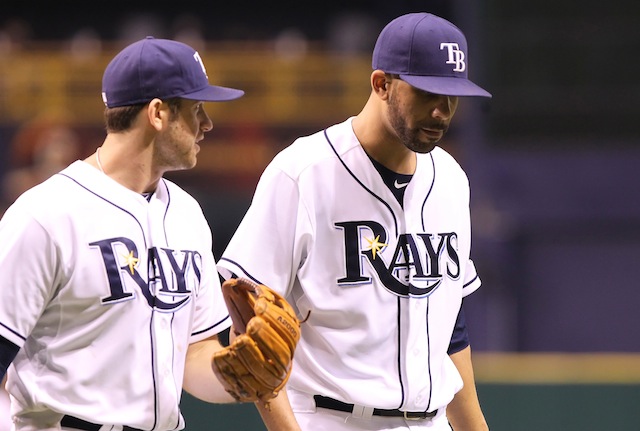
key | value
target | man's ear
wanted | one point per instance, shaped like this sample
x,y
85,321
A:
x,y
155,113
380,83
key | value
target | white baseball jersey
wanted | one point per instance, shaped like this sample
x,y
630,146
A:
x,y
104,291
383,285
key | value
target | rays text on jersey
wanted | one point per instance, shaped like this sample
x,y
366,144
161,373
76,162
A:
x,y
172,275
414,267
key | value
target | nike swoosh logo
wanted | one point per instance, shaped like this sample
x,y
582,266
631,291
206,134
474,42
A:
x,y
397,185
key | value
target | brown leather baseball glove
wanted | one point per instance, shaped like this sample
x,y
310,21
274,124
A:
x,y
257,364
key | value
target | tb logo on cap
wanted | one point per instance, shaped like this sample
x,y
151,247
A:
x,y
456,56
198,60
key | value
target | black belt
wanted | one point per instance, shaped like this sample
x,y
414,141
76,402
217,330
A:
x,y
79,424
330,403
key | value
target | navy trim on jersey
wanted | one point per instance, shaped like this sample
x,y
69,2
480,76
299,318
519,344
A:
x,y
429,353
210,327
433,181
395,222
166,210
470,281
400,371
246,274
111,203
8,352
13,332
152,368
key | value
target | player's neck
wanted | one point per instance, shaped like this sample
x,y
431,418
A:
x,y
400,163
381,145
400,160
128,168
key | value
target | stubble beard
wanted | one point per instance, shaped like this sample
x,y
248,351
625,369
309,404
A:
x,y
175,155
409,136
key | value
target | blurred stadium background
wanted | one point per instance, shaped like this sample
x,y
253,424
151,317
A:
x,y
553,160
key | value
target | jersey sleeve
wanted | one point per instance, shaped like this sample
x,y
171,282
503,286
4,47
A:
x,y
269,244
471,280
211,315
28,268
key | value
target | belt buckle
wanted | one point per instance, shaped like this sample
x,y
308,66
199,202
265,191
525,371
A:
x,y
414,416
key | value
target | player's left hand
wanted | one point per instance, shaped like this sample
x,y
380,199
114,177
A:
x,y
257,364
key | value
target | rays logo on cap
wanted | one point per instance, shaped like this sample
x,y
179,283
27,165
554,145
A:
x,y
455,56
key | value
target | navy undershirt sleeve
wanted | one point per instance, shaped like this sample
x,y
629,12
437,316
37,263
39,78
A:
x,y
460,337
8,352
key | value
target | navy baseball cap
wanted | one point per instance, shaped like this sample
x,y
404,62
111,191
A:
x,y
161,68
428,52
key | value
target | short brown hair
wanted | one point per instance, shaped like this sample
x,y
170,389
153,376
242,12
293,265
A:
x,y
121,118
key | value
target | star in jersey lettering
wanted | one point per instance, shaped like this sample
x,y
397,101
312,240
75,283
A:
x,y
375,245
131,261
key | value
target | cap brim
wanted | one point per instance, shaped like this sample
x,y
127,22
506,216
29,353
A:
x,y
445,85
214,93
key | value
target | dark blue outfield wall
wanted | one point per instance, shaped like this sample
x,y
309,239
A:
x,y
518,392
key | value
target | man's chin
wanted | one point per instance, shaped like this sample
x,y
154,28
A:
x,y
423,147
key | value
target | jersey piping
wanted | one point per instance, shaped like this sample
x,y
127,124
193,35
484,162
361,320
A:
x,y
110,203
426,198
395,221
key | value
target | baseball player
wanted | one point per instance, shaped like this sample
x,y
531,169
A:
x,y
365,228
110,301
